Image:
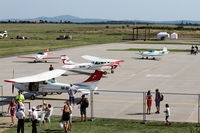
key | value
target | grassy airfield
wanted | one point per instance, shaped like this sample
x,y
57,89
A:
x,y
111,126
42,36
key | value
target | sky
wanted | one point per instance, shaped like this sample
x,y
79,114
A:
x,y
155,10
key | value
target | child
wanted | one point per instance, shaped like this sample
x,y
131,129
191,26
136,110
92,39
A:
x,y
167,114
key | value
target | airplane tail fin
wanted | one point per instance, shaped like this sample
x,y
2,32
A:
x,y
91,82
66,61
165,50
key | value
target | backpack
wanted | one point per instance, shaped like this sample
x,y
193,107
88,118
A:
x,y
161,97
85,103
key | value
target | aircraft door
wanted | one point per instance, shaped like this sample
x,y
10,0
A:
x,y
34,86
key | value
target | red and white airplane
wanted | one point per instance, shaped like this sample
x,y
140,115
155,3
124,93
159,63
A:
x,y
40,56
44,83
96,63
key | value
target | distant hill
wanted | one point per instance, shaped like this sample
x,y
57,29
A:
x,y
69,18
63,18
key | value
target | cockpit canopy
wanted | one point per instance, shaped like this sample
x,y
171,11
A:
x,y
151,51
41,53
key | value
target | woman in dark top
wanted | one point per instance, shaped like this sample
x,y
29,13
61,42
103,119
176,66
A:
x,y
66,117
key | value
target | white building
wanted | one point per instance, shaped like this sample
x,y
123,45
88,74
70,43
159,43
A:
x,y
162,35
174,36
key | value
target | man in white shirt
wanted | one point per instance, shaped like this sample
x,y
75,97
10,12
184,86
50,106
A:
x,y
34,120
20,116
72,91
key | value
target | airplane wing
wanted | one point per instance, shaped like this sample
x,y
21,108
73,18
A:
x,y
29,57
52,58
38,77
93,58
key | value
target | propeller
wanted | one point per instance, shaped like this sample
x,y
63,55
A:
x,y
13,87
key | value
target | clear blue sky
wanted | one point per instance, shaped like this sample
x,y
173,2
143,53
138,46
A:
x,y
108,9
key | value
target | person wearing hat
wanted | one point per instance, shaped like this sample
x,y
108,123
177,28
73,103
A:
x,y
20,116
19,97
34,120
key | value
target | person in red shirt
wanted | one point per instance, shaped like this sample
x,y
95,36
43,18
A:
x,y
149,102
11,109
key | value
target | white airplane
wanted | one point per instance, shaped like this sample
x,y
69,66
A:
x,y
96,63
40,56
44,83
153,53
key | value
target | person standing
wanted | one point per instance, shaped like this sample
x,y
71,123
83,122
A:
x,y
196,49
149,102
72,91
34,120
11,109
84,103
65,117
167,114
70,116
51,68
20,116
157,101
20,97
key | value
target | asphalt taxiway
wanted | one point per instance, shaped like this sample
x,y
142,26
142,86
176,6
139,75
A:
x,y
172,73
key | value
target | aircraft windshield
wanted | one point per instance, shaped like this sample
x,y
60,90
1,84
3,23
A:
x,y
151,51
51,80
41,53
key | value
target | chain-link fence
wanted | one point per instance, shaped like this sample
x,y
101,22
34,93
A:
x,y
126,105
132,105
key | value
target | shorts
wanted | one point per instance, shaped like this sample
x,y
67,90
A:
x,y
166,118
83,111
65,121
71,99
12,112
157,103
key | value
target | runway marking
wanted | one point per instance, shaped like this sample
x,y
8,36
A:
x,y
118,101
158,76
130,101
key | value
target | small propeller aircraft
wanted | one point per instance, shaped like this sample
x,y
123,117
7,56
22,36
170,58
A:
x,y
40,56
96,63
44,83
153,53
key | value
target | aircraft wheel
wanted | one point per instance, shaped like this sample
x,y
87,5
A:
x,y
105,73
59,93
32,97
146,57
45,61
44,94
154,58
35,61
112,71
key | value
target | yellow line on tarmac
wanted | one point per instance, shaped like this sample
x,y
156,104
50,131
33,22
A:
x,y
121,101
130,101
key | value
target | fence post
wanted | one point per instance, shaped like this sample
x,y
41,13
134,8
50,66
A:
x,y
198,124
144,108
91,106
2,99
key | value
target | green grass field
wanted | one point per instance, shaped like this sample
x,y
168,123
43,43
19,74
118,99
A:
x,y
112,126
42,36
